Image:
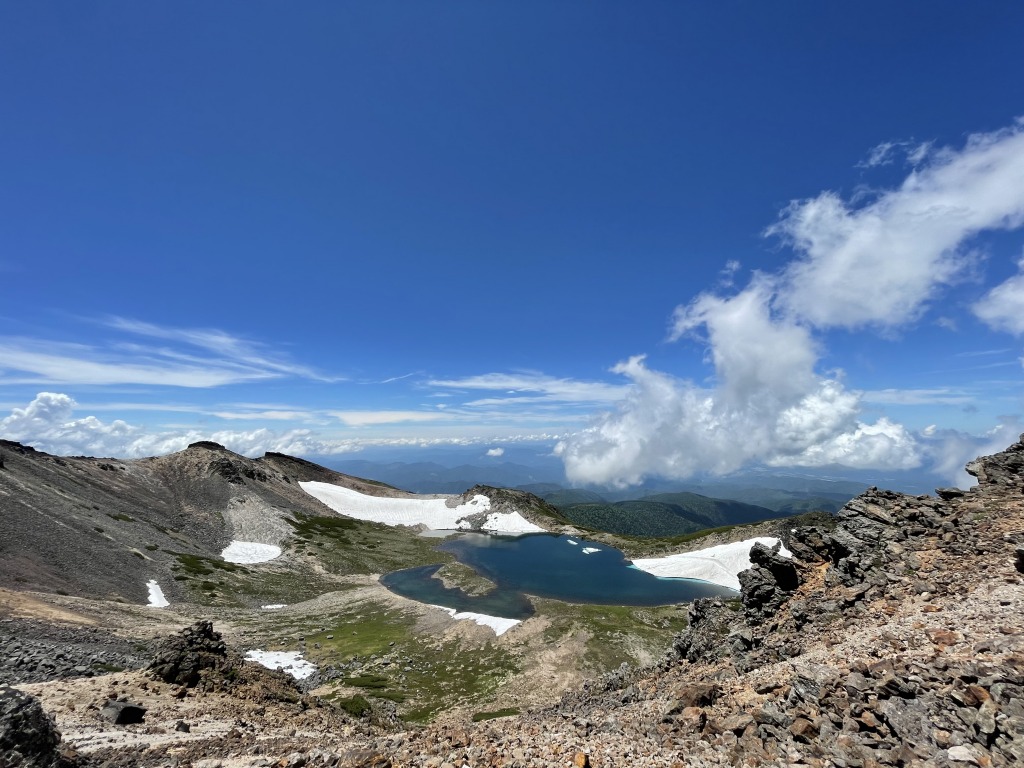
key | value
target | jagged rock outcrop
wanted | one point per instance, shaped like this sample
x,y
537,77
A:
x,y
768,583
895,637
709,622
184,658
28,736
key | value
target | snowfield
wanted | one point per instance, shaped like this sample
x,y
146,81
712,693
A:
x,y
288,661
433,513
249,552
497,623
718,565
156,595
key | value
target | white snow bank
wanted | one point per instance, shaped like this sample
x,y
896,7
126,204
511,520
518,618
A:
x,y
248,552
288,661
433,513
273,606
718,565
497,623
156,595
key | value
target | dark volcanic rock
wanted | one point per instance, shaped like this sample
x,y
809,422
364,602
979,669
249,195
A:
x,y
123,712
208,444
768,583
709,621
183,658
28,736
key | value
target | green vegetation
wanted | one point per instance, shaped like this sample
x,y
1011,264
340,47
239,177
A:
x,y
507,712
121,516
347,546
357,705
663,515
615,633
383,656
201,565
463,577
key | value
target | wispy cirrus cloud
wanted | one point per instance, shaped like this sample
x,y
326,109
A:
x,y
916,397
532,387
376,418
192,358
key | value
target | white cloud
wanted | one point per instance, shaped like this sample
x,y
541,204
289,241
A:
x,y
1002,307
203,358
372,418
755,355
548,388
49,424
916,397
887,152
881,263
494,452
670,428
950,450
877,265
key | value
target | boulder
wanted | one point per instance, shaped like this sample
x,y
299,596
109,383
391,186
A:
x,y
123,712
767,584
28,736
182,658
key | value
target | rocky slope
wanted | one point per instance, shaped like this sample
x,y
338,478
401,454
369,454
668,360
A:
x,y
895,637
102,528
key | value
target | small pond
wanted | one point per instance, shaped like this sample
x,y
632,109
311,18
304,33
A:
x,y
545,565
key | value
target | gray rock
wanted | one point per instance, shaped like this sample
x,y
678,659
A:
x,y
123,712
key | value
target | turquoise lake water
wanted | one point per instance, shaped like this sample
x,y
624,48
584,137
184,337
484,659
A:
x,y
544,565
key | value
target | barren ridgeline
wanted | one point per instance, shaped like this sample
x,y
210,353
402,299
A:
x,y
893,636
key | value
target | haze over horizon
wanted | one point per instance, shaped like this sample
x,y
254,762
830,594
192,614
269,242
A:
x,y
691,239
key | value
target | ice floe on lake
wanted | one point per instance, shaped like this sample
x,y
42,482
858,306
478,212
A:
x,y
590,550
497,623
288,661
718,565
250,552
156,595
433,513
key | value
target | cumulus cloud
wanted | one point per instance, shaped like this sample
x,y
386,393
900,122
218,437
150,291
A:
x,y
494,452
1002,307
950,450
668,427
881,263
876,263
49,423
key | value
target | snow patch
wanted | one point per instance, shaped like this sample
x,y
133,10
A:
x,y
273,606
433,513
497,623
287,661
718,565
156,595
249,552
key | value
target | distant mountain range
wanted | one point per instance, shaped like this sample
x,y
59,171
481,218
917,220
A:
x,y
655,508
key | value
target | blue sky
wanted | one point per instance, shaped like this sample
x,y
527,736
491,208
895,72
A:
x,y
663,237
